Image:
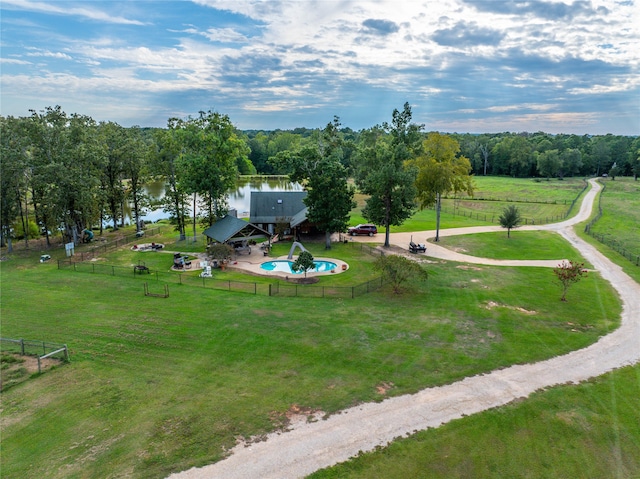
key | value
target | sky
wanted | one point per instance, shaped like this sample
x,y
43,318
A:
x,y
466,66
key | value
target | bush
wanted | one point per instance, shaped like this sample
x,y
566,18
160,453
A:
x,y
32,229
399,270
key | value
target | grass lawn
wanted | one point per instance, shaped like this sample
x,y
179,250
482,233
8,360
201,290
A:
x,y
160,385
527,189
531,245
589,431
620,221
538,202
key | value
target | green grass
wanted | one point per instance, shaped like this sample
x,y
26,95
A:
x,y
538,202
160,385
589,431
620,221
528,245
585,431
527,189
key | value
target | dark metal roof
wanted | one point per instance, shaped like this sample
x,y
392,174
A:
x,y
229,227
271,207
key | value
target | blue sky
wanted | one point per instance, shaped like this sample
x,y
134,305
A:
x,y
464,65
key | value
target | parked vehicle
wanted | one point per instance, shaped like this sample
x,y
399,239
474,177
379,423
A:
x,y
366,229
417,248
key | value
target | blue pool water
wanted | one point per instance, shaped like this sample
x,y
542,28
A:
x,y
285,266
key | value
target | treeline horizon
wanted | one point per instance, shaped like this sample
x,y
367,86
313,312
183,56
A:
x,y
67,171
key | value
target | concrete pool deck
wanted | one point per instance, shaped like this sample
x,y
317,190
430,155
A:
x,y
251,263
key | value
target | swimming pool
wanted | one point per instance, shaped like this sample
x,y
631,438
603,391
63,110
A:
x,y
284,266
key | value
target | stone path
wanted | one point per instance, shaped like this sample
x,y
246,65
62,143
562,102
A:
x,y
315,445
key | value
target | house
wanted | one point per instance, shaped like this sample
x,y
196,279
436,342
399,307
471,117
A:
x,y
269,208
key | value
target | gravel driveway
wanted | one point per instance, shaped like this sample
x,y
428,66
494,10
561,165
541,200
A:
x,y
310,446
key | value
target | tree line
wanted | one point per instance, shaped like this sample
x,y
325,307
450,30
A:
x,y
68,173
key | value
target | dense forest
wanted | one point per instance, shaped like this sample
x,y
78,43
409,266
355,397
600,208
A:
x,y
68,173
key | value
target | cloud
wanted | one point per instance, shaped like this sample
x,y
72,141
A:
x,y
380,27
543,9
14,61
219,35
283,62
466,35
48,54
509,108
83,11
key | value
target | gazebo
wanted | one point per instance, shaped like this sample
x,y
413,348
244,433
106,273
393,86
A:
x,y
235,232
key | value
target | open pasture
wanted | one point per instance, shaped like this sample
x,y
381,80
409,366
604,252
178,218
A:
x,y
159,385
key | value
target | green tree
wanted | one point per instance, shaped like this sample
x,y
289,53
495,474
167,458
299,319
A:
x,y
510,218
220,251
513,156
601,155
259,155
571,162
304,262
568,273
210,152
614,171
399,271
13,150
113,137
166,163
67,155
549,163
135,159
441,171
634,154
318,167
383,173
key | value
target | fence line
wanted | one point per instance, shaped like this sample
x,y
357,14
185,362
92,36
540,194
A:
x,y
493,218
310,291
506,200
27,347
106,247
255,288
605,239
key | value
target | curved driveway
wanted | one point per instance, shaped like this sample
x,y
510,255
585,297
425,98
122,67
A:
x,y
308,447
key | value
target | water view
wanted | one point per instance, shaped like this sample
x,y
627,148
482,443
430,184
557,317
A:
x,y
239,199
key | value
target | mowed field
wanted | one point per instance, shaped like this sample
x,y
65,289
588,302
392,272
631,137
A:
x,y
157,385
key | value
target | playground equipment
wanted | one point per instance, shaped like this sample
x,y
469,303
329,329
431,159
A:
x,y
293,247
206,270
156,295
181,262
141,268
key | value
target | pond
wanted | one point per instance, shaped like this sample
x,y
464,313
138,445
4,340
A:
x,y
238,199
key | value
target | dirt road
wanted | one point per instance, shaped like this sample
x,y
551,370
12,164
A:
x,y
310,446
